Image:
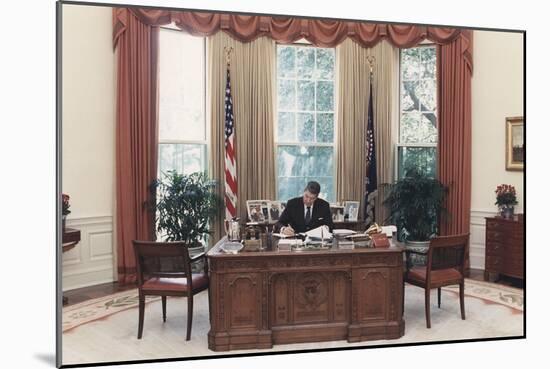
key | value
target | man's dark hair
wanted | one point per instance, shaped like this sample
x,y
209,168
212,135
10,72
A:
x,y
313,187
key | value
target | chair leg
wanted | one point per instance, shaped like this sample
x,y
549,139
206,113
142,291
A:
x,y
403,301
462,312
189,316
164,308
439,297
141,313
427,306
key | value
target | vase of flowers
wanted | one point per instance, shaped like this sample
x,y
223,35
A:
x,y
506,199
65,211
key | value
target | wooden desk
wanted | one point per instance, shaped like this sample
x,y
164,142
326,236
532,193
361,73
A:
x,y
71,237
258,299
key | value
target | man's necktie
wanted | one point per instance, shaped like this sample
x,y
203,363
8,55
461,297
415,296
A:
x,y
308,215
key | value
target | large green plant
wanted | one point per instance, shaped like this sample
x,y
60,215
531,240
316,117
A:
x,y
415,203
185,205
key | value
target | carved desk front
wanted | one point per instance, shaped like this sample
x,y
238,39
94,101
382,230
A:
x,y
258,299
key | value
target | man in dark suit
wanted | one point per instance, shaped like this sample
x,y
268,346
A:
x,y
306,212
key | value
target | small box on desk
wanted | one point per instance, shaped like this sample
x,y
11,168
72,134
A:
x,y
380,240
285,244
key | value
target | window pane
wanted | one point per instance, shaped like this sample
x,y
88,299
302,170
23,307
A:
x,y
325,96
325,127
305,62
183,158
421,158
290,187
306,127
325,63
410,63
287,94
426,94
428,59
285,61
181,87
306,95
286,127
305,161
418,128
409,98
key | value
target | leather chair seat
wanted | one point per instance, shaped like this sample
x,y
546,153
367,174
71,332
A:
x,y
437,276
199,281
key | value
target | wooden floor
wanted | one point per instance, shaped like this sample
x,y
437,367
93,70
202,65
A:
x,y
82,294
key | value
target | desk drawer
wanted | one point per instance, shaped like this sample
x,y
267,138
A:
x,y
493,263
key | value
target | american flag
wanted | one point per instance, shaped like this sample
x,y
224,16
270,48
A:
x,y
230,163
371,181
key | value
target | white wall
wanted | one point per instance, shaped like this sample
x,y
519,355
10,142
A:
x,y
88,98
497,93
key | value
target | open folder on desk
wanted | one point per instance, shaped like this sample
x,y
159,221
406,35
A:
x,y
322,232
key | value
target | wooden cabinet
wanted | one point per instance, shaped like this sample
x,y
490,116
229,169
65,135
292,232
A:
x,y
258,299
504,247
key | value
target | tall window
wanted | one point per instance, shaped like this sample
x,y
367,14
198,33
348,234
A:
x,y
305,120
182,102
418,123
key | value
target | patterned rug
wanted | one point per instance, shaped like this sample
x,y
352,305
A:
x,y
492,293
100,308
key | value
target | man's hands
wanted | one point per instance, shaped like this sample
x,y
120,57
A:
x,y
288,231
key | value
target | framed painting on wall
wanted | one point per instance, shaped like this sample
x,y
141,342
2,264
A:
x,y
515,145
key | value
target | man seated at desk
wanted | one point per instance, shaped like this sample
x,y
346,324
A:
x,y
306,212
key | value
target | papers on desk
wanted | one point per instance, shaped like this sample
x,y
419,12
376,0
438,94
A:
x,y
343,232
322,232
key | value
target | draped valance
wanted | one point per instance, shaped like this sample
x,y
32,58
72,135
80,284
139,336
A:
x,y
322,33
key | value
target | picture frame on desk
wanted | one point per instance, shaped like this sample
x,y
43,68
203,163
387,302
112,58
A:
x,y
275,210
337,212
351,209
258,210
515,145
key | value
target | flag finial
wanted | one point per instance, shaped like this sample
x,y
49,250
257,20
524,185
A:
x,y
227,51
372,61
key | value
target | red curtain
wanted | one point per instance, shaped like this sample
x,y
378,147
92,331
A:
x,y
136,139
454,160
323,33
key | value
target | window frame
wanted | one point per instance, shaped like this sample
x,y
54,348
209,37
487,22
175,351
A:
x,y
399,145
206,126
334,144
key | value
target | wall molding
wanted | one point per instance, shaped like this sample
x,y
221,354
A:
x,y
91,261
477,236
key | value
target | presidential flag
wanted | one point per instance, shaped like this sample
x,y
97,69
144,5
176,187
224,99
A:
x,y
230,163
371,182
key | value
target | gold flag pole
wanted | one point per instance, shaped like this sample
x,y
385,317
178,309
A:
x,y
372,61
227,51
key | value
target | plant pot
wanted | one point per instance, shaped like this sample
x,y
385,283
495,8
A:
x,y
417,259
507,212
63,222
198,266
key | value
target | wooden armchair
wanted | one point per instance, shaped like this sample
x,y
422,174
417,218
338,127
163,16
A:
x,y
444,266
164,269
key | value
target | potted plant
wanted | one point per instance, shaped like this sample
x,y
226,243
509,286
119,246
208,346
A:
x,y
506,199
65,209
185,205
415,204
